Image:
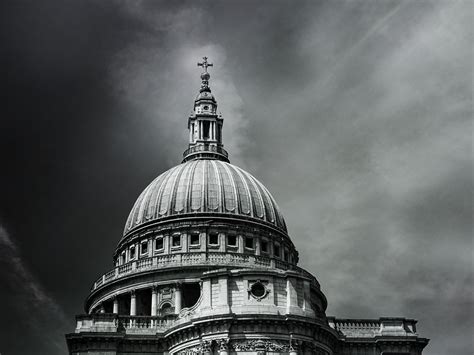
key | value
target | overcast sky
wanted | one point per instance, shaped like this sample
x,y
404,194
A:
x,y
357,116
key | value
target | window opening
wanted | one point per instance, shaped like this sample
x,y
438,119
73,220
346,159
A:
x,y
232,240
249,242
214,239
195,239
176,241
159,243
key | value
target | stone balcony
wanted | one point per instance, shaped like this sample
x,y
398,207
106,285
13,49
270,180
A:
x,y
161,262
369,328
113,323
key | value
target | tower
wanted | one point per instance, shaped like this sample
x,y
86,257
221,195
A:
x,y
206,266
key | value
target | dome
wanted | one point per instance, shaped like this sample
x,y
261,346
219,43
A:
x,y
204,187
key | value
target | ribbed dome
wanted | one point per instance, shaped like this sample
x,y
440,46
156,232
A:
x,y
203,187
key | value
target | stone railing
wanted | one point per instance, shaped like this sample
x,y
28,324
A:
x,y
120,323
363,328
197,259
205,148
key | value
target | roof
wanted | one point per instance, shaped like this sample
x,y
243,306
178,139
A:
x,y
205,186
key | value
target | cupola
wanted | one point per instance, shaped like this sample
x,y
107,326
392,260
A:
x,y
204,124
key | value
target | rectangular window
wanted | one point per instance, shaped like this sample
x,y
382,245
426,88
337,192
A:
x,y
176,241
285,255
264,246
132,253
214,239
276,250
159,243
123,258
249,242
194,239
232,240
144,247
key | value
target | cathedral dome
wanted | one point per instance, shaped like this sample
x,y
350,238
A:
x,y
205,187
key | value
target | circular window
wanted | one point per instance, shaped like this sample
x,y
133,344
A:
x,y
258,290
206,107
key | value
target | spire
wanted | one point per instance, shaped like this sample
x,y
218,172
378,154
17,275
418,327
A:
x,y
204,124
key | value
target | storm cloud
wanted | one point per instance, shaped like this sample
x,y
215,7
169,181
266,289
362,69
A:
x,y
357,115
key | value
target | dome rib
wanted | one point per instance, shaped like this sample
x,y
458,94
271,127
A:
x,y
205,186
220,190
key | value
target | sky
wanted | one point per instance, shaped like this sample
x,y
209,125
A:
x,y
356,115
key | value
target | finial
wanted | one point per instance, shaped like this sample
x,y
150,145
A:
x,y
205,64
205,76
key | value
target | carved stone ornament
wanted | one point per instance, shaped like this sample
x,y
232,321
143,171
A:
x,y
258,290
223,344
294,345
259,345
205,347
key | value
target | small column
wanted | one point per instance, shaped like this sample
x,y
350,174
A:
x,y
150,248
177,298
154,291
241,243
116,305
258,248
133,303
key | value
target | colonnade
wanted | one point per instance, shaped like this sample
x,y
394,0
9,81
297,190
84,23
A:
x,y
154,301
213,131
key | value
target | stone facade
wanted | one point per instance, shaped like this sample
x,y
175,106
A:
x,y
206,266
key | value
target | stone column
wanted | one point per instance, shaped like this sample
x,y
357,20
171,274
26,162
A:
x,y
241,243
258,247
153,301
177,298
150,247
133,303
116,305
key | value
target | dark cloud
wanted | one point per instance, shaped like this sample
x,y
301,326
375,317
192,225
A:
x,y
355,114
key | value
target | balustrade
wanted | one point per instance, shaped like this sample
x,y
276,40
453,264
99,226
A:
x,y
198,258
118,323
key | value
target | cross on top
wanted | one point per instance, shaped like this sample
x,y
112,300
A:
x,y
205,64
